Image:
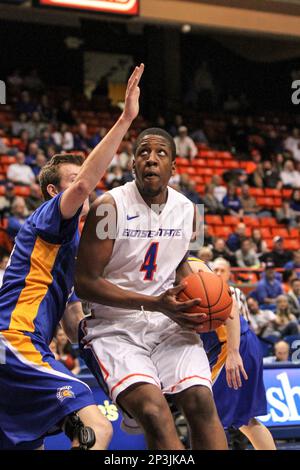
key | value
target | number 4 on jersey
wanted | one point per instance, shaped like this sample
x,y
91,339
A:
x,y
149,265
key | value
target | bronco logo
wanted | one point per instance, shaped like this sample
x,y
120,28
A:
x,y
64,392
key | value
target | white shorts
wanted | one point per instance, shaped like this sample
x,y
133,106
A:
x,y
144,347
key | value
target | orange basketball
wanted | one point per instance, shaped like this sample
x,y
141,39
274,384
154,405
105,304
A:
x,y
215,295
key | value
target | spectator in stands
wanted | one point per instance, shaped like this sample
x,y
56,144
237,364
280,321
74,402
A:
x,y
191,193
294,298
295,201
248,202
232,202
278,161
292,142
260,244
45,110
295,262
220,190
261,321
65,114
246,256
36,125
198,136
24,141
285,322
289,176
208,239
271,176
17,218
34,200
235,239
21,124
211,203
7,199
115,173
40,162
19,172
281,351
205,254
185,146
33,81
15,81
256,179
46,139
97,136
32,152
126,155
268,288
26,104
285,214
278,255
81,138
63,138
220,250
65,352
288,276
4,257
3,148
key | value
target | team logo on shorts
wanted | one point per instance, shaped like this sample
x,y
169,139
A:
x,y
64,392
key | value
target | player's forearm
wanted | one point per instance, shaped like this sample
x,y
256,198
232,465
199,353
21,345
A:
x,y
99,159
233,329
101,291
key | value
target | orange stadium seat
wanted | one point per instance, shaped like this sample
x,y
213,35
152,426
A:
x,y
268,222
250,221
256,192
223,231
265,201
7,159
2,190
23,191
294,233
286,193
265,232
231,220
272,192
213,219
281,232
290,244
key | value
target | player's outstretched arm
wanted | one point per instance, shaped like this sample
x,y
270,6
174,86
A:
x,y
95,165
234,364
93,256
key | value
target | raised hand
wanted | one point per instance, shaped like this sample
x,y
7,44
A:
x,y
131,109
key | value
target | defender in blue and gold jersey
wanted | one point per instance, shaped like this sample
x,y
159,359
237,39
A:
x,y
237,369
38,394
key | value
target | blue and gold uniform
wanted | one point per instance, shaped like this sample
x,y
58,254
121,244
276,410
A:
x,y
37,391
236,407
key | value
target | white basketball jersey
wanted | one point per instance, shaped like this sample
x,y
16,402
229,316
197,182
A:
x,y
149,246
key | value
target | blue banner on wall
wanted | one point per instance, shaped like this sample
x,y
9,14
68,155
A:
x,y
283,397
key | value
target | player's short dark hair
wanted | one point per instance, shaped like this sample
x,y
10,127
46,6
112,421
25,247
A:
x,y
161,133
50,172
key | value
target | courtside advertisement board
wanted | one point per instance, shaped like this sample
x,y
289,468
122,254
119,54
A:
x,y
120,7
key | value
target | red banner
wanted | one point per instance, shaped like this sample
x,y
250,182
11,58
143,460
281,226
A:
x,y
121,7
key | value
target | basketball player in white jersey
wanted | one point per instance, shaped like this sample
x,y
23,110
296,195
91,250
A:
x,y
140,343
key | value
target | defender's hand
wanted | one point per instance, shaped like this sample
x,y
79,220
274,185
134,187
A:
x,y
131,109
